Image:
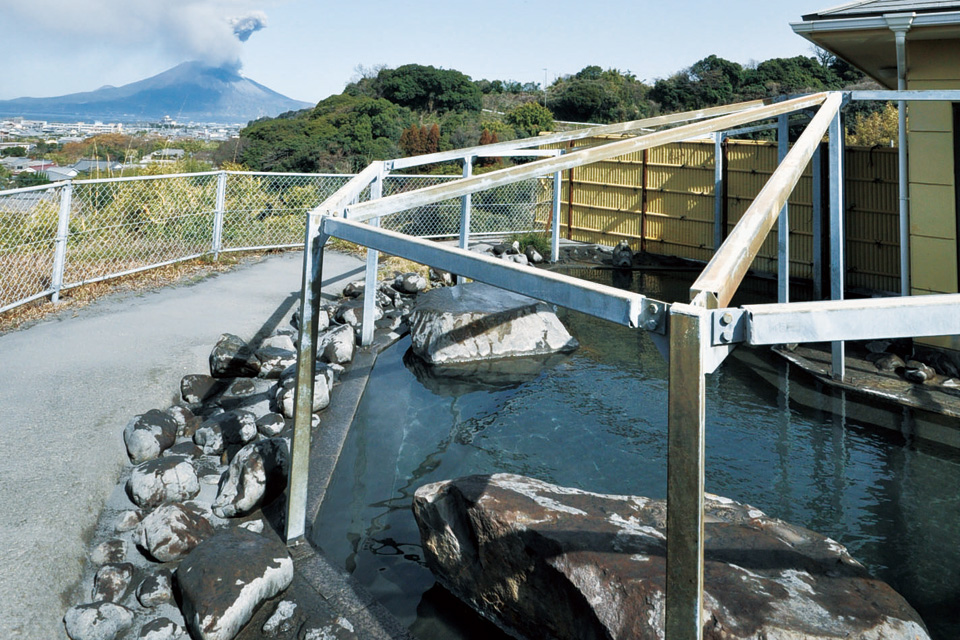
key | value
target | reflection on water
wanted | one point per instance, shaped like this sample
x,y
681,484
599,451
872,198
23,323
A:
x,y
596,419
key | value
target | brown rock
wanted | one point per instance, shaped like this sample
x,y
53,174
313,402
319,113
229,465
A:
x,y
549,561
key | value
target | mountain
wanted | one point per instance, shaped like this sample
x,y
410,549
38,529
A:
x,y
191,91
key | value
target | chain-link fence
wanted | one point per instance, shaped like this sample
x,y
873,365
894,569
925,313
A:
x,y
59,236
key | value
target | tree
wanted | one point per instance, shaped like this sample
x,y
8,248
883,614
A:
x,y
486,137
880,128
531,118
16,152
427,88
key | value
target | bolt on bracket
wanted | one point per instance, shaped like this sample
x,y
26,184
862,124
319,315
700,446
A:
x,y
729,326
653,316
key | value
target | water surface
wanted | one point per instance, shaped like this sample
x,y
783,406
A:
x,y
597,420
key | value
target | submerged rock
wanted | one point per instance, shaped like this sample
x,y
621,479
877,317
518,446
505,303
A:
x,y
475,321
549,561
622,255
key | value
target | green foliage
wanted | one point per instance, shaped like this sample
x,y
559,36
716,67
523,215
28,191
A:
x,y
595,95
873,129
539,240
426,88
530,118
16,152
30,180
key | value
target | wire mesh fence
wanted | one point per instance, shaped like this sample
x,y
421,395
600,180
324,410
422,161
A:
x,y
119,226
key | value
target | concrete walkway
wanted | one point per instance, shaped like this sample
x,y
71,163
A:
x,y
69,386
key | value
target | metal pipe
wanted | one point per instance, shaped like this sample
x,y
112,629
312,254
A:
x,y
686,459
465,206
306,363
370,276
783,223
218,214
817,224
723,274
835,146
60,249
555,213
717,189
903,185
643,200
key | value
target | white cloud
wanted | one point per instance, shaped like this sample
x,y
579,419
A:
x,y
207,30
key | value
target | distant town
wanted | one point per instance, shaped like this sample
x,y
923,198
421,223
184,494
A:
x,y
31,151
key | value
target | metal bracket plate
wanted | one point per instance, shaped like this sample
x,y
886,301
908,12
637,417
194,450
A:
x,y
728,326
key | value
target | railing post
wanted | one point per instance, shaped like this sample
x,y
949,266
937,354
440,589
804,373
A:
x,y
60,242
370,277
218,215
783,224
686,420
717,190
465,206
836,233
306,362
817,225
555,228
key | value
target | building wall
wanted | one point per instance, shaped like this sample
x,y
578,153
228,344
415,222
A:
x,y
930,139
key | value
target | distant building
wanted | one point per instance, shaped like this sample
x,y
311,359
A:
x,y
55,174
164,155
89,166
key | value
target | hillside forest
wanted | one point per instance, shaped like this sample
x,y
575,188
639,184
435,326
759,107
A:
x,y
415,109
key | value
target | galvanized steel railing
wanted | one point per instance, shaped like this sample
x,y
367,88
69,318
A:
x,y
694,337
63,235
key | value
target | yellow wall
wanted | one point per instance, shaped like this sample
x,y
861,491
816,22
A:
x,y
932,64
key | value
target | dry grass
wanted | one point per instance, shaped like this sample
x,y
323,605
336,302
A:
x,y
74,299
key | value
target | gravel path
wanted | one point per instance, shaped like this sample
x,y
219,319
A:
x,y
71,383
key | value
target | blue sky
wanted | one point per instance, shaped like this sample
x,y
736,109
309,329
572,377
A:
x,y
309,49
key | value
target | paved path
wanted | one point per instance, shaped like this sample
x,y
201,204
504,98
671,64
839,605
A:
x,y
70,384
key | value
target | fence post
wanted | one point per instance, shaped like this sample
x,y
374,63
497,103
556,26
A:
x,y
555,229
783,225
835,151
218,215
686,429
466,203
370,277
60,242
817,224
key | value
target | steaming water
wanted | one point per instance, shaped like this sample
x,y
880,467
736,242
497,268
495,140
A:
x,y
597,420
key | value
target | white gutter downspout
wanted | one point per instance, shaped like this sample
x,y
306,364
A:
x,y
900,23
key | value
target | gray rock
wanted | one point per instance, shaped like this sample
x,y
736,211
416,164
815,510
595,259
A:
x,y
337,629
284,342
887,361
128,520
186,449
475,321
336,345
186,421
219,594
550,561
622,255
441,277
252,525
410,282
518,258
286,392
162,629
274,360
282,620
110,552
233,358
354,289
533,256
256,475
172,531
919,372
244,393
156,589
148,434
351,312
111,582
156,482
271,425
230,427
97,621
197,388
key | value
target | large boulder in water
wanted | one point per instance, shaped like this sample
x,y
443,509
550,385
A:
x,y
550,561
475,321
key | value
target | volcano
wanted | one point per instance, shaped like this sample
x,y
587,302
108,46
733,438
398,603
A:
x,y
191,91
